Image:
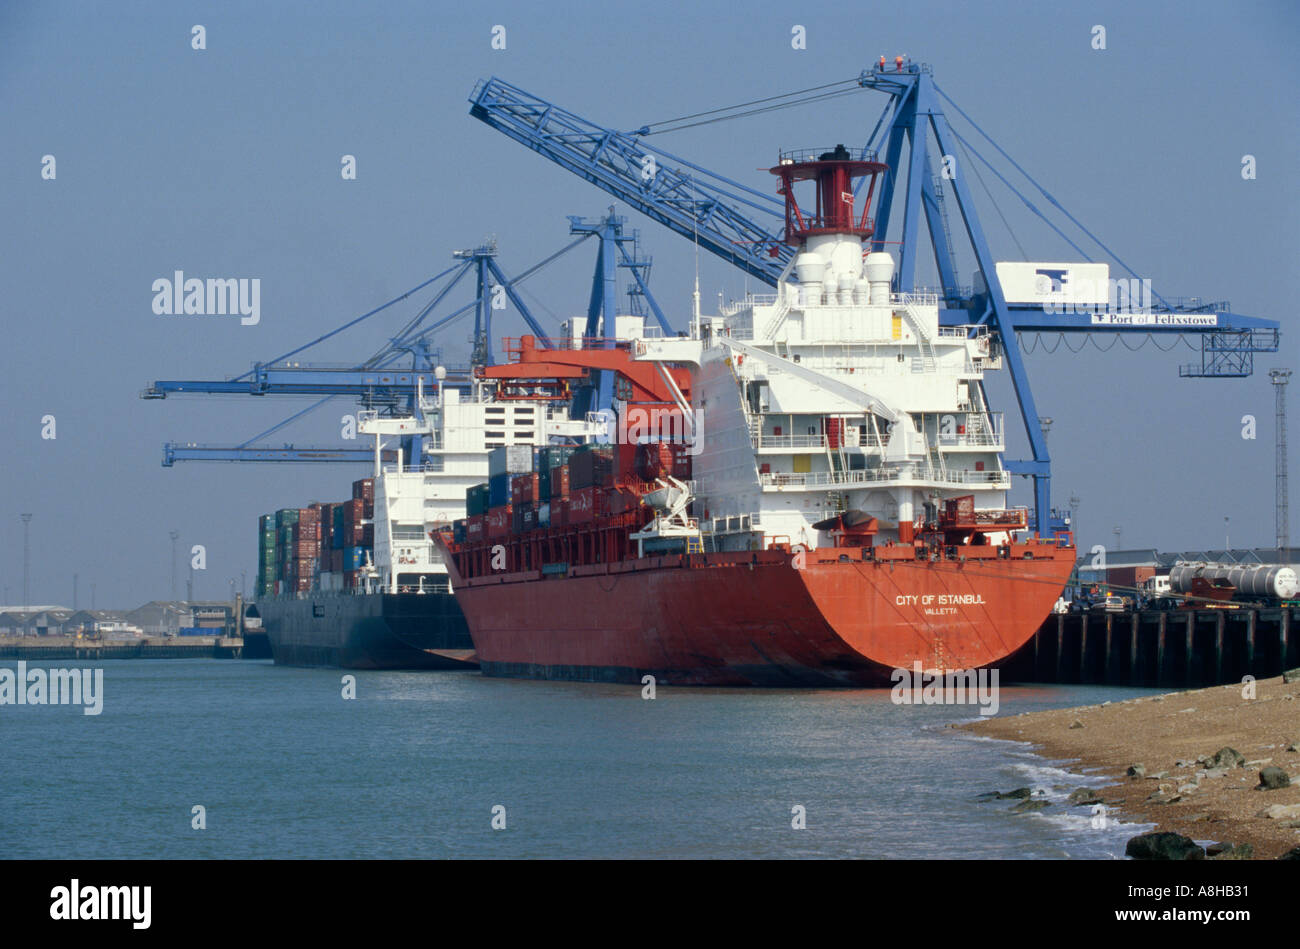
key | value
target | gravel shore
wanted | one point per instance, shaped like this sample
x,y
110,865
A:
x,y
1168,738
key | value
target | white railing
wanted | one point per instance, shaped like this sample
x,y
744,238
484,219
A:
x,y
786,442
874,475
915,298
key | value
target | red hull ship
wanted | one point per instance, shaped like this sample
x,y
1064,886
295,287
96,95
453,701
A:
x,y
756,619
807,490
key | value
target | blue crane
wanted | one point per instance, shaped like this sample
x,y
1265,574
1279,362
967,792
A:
x,y
744,226
380,381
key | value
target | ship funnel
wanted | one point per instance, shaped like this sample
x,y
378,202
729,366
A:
x,y
879,270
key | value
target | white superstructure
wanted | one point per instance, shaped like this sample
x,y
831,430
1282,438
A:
x,y
835,395
413,496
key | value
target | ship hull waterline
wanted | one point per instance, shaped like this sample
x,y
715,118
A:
x,y
374,631
761,623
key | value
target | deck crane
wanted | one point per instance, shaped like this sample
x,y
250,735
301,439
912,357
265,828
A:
x,y
380,383
744,226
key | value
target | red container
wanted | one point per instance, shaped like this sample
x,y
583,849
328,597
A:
x,y
559,512
475,528
350,579
523,489
364,490
499,521
625,461
560,482
587,504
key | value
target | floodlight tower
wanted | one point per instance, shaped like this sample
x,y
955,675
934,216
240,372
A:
x,y
1279,378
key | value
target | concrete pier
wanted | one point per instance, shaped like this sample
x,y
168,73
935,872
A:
x,y
1158,648
49,648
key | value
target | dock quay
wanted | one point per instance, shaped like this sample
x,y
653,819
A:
x,y
1158,648
43,648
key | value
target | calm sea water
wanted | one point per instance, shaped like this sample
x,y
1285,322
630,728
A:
x,y
413,767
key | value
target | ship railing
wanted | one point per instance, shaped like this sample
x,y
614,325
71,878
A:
x,y
749,301
971,439
794,155
876,475
415,469
760,440
915,298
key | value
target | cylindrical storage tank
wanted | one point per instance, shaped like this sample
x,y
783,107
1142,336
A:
x,y
879,271
862,292
1268,579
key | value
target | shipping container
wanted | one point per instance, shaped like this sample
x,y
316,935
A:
x,y
363,489
523,489
560,482
591,466
510,459
336,532
354,558
286,516
477,500
476,528
499,521
559,512
498,490
586,504
544,514
336,560
552,456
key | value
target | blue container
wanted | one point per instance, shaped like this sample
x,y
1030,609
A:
x,y
499,490
354,558
197,631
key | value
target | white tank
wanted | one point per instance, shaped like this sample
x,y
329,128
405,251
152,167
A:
x,y
810,268
1261,579
847,281
879,271
862,292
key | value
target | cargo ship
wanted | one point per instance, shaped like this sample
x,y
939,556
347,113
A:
x,y
807,489
359,584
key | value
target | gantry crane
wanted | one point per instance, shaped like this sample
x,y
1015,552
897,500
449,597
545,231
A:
x,y
744,226
379,383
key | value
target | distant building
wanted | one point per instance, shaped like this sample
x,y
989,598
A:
x,y
160,617
111,624
34,620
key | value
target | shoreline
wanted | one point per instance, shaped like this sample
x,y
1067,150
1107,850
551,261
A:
x,y
1166,735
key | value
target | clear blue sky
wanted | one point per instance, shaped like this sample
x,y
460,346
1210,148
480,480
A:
x,y
225,162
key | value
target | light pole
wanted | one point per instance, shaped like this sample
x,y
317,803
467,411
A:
x,y
1227,546
1119,537
27,558
174,535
